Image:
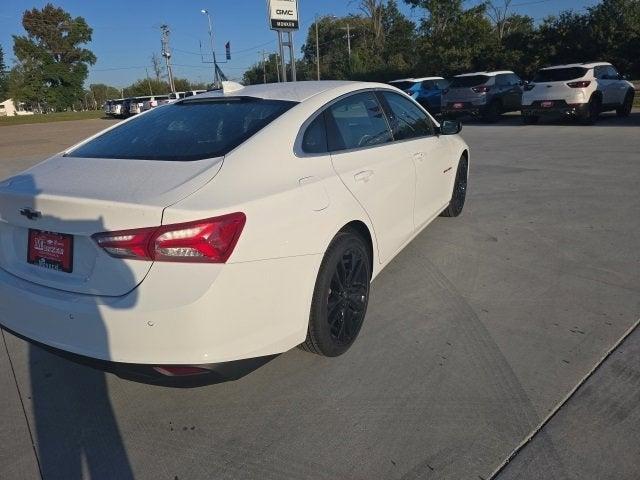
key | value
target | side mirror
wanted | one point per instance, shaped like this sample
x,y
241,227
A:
x,y
450,127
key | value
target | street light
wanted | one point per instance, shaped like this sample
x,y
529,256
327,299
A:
x,y
216,82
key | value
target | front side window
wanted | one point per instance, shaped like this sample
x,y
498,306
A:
x,y
407,119
188,130
612,73
356,122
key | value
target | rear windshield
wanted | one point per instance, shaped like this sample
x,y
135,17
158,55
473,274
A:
x,y
560,74
404,86
470,81
188,130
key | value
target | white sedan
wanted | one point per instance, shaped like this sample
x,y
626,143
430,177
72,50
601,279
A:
x,y
230,225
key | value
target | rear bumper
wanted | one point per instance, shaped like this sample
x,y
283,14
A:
x,y
467,109
558,109
245,310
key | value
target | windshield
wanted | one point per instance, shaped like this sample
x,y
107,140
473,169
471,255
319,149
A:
x,y
188,130
404,86
470,81
560,74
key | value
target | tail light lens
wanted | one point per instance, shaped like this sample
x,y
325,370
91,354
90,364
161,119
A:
x,y
481,89
580,84
529,86
204,241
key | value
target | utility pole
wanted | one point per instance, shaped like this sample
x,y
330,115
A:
x,y
216,78
317,49
264,67
166,53
348,29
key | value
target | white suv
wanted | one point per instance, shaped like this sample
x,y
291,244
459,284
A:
x,y
583,90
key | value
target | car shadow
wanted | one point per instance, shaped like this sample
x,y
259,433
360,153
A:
x,y
76,432
607,119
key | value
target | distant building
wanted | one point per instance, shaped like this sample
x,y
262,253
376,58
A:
x,y
9,108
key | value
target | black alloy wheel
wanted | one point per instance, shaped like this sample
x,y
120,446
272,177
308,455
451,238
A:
x,y
627,105
341,296
593,111
459,190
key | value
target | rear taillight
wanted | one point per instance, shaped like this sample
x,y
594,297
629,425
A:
x,y
580,84
529,86
206,241
481,89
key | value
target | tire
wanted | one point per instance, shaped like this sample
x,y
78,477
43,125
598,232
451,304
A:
x,y
530,120
340,296
492,113
459,194
625,109
593,111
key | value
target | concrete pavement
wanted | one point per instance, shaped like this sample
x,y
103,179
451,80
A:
x,y
475,332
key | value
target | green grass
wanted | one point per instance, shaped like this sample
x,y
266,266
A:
x,y
50,117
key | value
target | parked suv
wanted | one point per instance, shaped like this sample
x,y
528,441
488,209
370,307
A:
x,y
581,90
483,94
427,91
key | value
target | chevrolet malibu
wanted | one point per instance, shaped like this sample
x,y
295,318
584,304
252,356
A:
x,y
230,225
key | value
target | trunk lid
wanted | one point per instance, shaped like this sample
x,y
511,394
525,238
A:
x,y
84,196
548,91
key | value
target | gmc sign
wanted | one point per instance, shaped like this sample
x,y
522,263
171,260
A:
x,y
283,14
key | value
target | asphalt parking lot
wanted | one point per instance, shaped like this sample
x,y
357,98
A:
x,y
487,331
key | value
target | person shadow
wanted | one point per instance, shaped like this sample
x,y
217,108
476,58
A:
x,y
76,432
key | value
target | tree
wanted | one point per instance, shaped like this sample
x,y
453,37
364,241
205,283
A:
x,y
52,63
158,67
451,37
100,93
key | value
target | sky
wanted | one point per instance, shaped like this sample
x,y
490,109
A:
x,y
126,32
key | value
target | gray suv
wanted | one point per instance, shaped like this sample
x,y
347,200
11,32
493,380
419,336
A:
x,y
483,94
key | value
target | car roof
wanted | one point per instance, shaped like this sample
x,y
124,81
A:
x,y
579,65
488,74
289,91
418,79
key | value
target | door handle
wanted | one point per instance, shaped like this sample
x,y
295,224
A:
x,y
418,156
363,176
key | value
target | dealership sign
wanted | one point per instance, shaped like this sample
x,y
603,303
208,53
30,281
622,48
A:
x,y
283,14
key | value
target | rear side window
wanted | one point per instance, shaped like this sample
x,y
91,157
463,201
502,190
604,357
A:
x,y
187,130
404,86
407,120
560,74
470,81
314,139
356,122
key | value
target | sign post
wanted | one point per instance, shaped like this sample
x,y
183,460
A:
x,y
283,18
